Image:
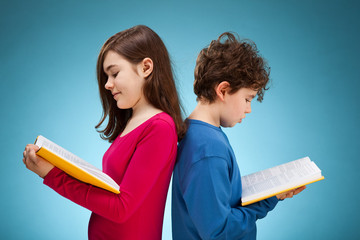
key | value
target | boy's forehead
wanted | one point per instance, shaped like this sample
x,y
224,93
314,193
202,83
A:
x,y
249,92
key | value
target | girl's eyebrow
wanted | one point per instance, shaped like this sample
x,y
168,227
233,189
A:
x,y
109,67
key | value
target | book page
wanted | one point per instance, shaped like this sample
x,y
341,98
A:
x,y
75,160
279,178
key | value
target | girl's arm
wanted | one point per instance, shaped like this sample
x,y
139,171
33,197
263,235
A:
x,y
154,153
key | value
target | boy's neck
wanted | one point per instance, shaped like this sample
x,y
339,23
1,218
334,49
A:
x,y
206,112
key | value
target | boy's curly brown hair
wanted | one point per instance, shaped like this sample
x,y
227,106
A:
x,y
235,61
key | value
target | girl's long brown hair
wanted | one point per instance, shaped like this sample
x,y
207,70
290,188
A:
x,y
159,89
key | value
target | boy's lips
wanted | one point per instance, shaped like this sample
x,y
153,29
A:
x,y
241,119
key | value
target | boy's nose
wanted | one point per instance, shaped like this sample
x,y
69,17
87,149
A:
x,y
248,109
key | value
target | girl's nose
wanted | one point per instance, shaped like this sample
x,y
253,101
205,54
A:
x,y
109,84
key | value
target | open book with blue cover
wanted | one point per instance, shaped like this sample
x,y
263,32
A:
x,y
273,181
74,166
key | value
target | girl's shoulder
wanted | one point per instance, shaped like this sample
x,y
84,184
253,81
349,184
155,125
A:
x,y
163,116
159,127
161,121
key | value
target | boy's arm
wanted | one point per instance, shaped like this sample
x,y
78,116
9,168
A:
x,y
259,207
207,193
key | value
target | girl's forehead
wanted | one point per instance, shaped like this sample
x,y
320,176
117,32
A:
x,y
112,58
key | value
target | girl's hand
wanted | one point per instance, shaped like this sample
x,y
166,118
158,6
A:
x,y
35,163
291,193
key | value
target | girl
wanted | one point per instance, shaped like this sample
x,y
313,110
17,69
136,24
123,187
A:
x,y
139,98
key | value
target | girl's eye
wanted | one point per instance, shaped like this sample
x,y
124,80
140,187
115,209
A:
x,y
115,75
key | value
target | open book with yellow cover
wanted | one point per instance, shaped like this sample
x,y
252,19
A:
x,y
74,166
273,181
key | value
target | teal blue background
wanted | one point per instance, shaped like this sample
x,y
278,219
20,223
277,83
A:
x,y
48,52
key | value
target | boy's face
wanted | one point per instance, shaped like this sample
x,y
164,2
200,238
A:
x,y
236,106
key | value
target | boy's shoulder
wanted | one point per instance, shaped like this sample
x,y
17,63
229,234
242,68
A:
x,y
203,140
200,131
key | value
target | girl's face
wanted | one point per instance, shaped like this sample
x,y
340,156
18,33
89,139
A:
x,y
125,80
236,106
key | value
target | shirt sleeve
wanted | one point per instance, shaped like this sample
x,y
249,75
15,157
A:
x,y
207,193
154,152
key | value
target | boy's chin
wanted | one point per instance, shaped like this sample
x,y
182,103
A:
x,y
228,125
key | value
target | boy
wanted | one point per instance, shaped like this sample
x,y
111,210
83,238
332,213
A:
x,y
206,191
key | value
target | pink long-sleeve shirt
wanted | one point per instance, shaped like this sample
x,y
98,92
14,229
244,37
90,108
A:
x,y
141,162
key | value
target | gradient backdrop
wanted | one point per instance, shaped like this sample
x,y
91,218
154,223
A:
x,y
48,52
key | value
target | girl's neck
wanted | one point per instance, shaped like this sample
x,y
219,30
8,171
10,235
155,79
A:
x,y
143,109
141,113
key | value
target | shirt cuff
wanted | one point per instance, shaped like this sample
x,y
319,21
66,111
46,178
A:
x,y
51,175
274,200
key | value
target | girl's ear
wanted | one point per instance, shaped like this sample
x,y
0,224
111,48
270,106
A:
x,y
146,67
221,89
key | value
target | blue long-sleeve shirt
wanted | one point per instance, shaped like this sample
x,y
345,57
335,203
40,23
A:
x,y
206,190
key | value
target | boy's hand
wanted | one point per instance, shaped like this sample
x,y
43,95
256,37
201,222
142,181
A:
x,y
290,193
35,163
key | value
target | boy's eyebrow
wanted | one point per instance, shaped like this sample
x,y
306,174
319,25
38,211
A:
x,y
252,96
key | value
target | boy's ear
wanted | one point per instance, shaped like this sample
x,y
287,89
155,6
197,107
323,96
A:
x,y
146,67
221,89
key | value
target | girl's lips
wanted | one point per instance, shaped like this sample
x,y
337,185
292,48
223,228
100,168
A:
x,y
115,94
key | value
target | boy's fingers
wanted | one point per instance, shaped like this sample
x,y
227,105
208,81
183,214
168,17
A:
x,y
298,190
